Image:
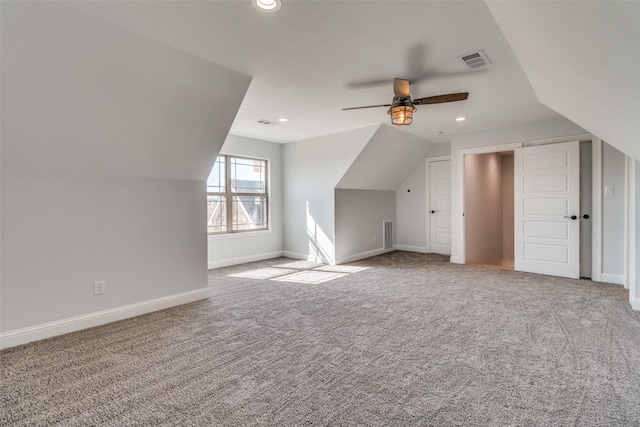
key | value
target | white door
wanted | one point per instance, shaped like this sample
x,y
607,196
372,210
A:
x,y
440,206
547,209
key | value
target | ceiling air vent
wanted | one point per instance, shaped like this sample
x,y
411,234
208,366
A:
x,y
267,122
475,59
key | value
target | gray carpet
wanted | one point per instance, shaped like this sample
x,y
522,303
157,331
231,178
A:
x,y
411,340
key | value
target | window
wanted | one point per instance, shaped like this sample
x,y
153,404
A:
x,y
237,198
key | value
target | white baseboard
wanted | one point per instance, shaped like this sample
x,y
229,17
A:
x,y
635,303
361,255
419,249
72,324
617,279
306,257
244,259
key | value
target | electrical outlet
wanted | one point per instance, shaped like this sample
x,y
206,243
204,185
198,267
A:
x,y
375,238
224,247
99,288
608,190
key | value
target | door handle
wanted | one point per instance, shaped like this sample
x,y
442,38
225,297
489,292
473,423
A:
x,y
433,212
585,216
573,217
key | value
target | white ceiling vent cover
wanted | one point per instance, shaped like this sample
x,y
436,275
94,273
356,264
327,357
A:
x,y
475,59
267,122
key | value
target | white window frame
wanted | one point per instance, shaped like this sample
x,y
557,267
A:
x,y
229,194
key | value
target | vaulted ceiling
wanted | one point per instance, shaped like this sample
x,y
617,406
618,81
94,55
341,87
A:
x,y
313,58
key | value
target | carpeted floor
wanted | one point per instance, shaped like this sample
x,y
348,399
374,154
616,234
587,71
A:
x,y
406,339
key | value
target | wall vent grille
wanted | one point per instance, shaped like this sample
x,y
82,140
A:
x,y
475,59
387,233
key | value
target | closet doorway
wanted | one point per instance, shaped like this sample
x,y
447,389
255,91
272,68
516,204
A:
x,y
488,208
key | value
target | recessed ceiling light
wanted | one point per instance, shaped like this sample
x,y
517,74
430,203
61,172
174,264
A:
x,y
461,119
283,119
439,132
267,5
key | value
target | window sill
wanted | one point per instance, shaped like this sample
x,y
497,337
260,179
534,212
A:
x,y
238,235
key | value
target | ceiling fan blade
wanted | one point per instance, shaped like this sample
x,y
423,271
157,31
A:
x,y
368,106
440,99
401,87
368,83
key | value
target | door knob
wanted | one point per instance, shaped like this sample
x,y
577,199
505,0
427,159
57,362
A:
x,y
585,216
573,217
433,211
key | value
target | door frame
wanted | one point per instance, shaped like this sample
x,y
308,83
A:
x,y
428,162
458,239
458,247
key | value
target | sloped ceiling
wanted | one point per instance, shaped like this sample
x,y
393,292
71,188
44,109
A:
x,y
310,59
583,61
85,97
386,160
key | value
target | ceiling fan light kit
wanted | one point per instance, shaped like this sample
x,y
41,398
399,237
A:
x,y
402,108
401,114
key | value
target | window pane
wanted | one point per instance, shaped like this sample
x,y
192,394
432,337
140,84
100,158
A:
x,y
216,213
249,212
216,182
248,175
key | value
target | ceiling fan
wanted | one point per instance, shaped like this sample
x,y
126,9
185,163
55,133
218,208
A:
x,y
402,107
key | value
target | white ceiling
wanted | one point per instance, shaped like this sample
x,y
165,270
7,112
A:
x,y
307,59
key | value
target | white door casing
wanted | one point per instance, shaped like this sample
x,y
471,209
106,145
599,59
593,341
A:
x,y
440,206
547,209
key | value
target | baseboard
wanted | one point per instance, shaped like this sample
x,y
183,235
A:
x,y
635,303
617,279
244,259
72,324
406,248
361,255
305,257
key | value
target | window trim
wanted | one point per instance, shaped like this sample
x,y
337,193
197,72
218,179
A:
x,y
228,194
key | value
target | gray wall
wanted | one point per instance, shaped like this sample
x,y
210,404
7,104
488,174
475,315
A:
x,y
359,218
634,288
507,207
107,141
613,206
230,249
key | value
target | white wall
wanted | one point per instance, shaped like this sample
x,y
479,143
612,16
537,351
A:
x,y
311,170
386,160
613,208
107,140
359,218
581,60
437,150
230,249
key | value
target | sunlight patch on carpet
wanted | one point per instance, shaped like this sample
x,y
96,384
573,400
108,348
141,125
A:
x,y
300,272
300,265
263,273
341,268
311,277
